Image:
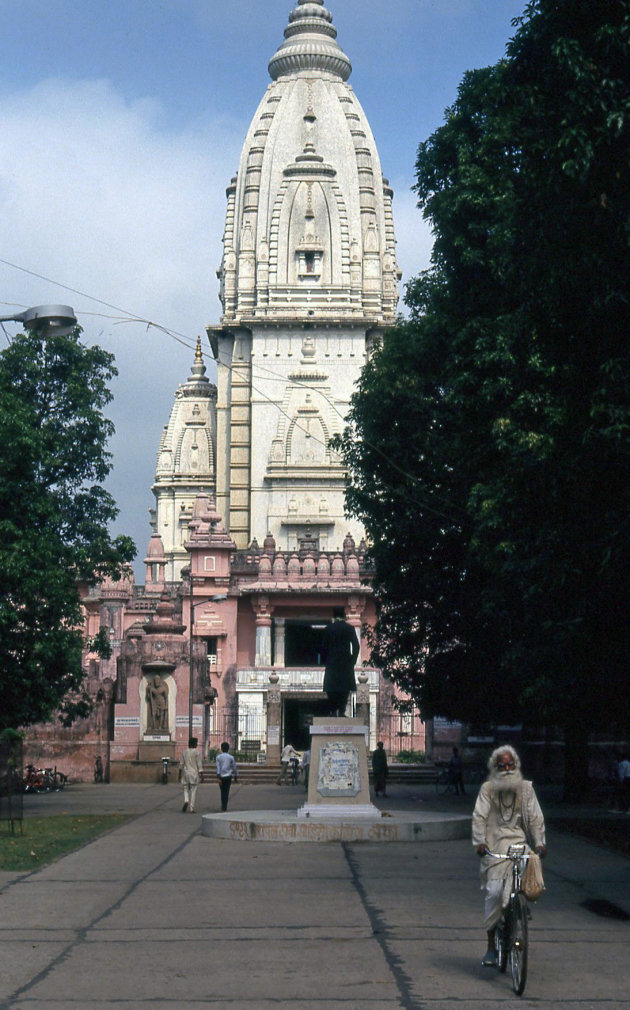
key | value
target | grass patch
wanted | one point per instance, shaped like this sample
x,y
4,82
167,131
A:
x,y
45,839
611,833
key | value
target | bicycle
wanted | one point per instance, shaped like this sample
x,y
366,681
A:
x,y
43,780
59,779
36,780
443,781
511,940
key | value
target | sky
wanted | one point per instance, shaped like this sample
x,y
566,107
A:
x,y
122,123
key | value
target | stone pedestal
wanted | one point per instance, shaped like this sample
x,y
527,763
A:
x,y
338,785
155,750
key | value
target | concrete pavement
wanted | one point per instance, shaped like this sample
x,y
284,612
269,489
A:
x,y
153,916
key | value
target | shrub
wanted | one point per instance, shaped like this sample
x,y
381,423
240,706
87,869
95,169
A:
x,y
411,757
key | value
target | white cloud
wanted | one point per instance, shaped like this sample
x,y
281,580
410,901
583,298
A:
x,y
96,194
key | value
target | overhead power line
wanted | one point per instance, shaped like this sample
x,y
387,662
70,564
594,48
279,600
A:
x,y
190,343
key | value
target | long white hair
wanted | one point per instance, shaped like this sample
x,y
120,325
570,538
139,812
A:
x,y
504,780
493,760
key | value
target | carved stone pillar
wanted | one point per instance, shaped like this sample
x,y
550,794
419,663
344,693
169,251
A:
x,y
274,720
263,631
263,643
279,625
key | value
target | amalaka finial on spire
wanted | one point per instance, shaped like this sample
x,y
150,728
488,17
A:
x,y
310,44
198,370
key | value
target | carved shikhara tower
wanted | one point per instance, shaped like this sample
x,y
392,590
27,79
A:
x,y
185,468
308,279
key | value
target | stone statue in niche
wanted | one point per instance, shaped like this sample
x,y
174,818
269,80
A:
x,y
157,705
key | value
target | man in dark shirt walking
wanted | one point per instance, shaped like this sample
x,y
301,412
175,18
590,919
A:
x,y
226,768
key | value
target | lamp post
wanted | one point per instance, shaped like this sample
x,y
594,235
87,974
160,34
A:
x,y
218,598
50,320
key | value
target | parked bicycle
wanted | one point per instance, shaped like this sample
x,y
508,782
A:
x,y
511,941
43,780
444,781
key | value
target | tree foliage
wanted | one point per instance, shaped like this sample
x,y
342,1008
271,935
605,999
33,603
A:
x,y
54,515
488,444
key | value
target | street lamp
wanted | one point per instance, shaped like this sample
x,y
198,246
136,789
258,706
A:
x,y
50,320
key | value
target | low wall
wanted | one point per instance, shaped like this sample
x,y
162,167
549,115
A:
x,y
74,757
140,771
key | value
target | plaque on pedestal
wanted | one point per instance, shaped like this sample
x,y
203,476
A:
x,y
338,785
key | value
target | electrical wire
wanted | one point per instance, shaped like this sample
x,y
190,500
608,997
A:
x,y
187,341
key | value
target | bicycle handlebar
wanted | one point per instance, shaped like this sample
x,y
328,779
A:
x,y
507,855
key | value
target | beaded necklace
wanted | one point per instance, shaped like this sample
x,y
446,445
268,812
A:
x,y
507,808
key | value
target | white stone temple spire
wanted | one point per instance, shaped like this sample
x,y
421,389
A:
x,y
308,278
186,463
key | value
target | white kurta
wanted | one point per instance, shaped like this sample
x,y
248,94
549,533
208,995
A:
x,y
500,820
191,766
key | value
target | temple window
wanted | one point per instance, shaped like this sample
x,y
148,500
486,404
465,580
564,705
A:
x,y
309,264
211,649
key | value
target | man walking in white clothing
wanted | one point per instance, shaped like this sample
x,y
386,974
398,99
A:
x,y
190,769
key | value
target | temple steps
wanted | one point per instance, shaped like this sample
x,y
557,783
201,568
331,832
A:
x,y
255,774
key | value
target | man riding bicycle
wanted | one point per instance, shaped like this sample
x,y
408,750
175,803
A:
x,y
506,813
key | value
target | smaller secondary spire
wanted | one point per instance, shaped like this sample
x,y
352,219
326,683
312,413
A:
x,y
310,44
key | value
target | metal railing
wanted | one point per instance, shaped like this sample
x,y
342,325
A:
x,y
11,802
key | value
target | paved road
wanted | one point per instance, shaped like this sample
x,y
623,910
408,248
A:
x,y
154,916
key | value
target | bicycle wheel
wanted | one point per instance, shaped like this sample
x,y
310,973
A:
x,y
500,946
518,944
442,782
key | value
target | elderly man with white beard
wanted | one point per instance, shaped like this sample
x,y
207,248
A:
x,y
506,813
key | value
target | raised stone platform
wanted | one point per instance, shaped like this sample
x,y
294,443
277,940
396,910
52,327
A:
x,y
286,826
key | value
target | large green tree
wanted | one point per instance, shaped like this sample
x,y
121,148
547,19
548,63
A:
x,y
488,447
54,516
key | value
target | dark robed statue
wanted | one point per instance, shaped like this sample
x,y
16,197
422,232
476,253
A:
x,y
340,648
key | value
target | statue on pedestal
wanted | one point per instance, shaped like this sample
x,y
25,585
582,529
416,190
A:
x,y
340,648
157,705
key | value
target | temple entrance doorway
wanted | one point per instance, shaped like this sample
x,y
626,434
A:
x,y
297,716
303,643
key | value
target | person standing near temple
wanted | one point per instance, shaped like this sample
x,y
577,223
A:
x,y
190,769
380,769
306,766
289,754
456,772
226,768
